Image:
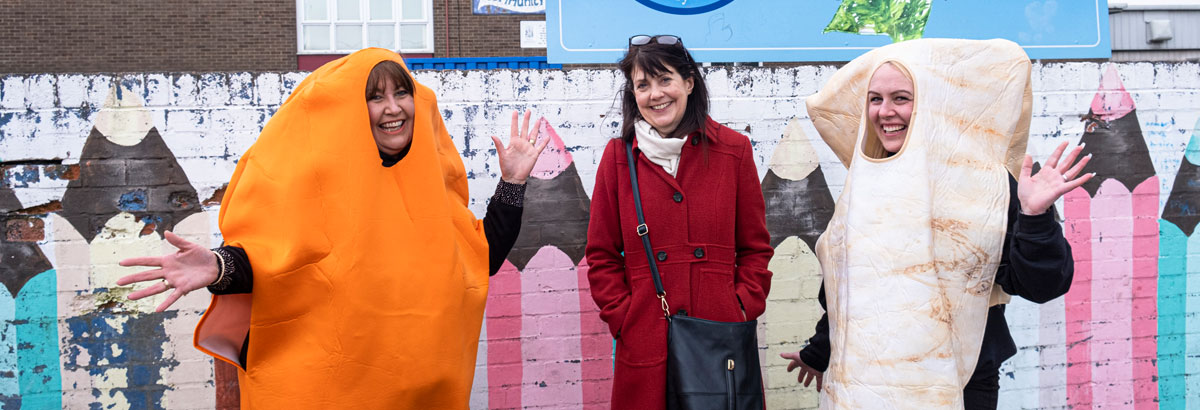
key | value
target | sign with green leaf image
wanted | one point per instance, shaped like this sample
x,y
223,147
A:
x,y
900,19
722,31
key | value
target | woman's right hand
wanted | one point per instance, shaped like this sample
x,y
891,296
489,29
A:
x,y
192,267
807,374
521,154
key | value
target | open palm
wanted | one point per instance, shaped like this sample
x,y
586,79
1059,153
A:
x,y
191,267
518,158
1037,192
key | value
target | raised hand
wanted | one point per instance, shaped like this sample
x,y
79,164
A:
x,y
517,160
807,374
1038,192
192,267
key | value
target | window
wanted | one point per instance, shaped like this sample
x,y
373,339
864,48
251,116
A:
x,y
344,26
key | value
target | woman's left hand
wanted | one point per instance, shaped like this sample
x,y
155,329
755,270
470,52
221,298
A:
x,y
192,267
1038,192
518,158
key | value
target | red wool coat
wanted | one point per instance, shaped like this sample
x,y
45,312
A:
x,y
710,223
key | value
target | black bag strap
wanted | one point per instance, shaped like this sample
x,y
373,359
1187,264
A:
x,y
644,231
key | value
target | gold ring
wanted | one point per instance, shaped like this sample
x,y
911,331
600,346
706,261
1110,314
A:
x,y
166,284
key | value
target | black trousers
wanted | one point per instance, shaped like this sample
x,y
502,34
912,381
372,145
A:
x,y
982,392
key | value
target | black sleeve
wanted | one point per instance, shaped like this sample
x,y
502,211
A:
x,y
1036,262
239,277
816,353
502,224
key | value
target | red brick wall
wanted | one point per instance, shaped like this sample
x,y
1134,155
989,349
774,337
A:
x,y
478,35
147,36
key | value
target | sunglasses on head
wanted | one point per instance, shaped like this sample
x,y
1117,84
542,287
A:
x,y
664,39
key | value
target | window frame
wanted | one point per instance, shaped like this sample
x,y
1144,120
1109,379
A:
x,y
364,22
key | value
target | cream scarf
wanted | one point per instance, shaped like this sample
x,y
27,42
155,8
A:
x,y
663,152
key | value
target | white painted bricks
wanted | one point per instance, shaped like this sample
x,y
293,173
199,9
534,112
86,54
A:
x,y
209,119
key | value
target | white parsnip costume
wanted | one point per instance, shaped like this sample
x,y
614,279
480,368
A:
x,y
911,252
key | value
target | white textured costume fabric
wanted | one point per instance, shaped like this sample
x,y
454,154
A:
x,y
911,252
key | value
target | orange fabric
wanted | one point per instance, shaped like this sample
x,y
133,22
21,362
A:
x,y
369,282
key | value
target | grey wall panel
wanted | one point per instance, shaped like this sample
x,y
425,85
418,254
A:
x,y
1156,55
1128,30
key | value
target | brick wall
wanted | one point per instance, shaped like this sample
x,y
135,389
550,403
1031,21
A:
x,y
478,35
131,36
1124,336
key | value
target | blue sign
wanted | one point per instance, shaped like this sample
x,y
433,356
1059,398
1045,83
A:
x,y
508,6
583,31
682,7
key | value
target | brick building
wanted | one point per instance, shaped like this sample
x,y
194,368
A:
x,y
255,35
289,35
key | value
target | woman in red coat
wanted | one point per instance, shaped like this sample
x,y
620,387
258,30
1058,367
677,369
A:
x,y
702,201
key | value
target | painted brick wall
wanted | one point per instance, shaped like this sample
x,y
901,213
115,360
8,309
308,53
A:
x,y
96,167
133,36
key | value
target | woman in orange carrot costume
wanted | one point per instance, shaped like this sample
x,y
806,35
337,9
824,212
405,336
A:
x,y
353,275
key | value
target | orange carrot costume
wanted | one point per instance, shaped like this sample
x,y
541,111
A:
x,y
369,282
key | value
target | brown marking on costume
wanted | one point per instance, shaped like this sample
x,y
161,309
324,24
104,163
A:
x,y
981,80
967,163
951,229
984,288
861,77
974,128
960,81
945,399
960,264
940,311
932,351
983,76
945,224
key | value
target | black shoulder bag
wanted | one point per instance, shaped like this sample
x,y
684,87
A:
x,y
710,365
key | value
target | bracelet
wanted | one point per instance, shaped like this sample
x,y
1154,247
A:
x,y
221,271
510,193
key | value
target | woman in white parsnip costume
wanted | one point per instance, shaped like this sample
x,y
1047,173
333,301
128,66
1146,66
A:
x,y
916,257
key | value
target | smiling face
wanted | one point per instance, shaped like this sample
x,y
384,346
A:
x,y
661,99
390,108
890,106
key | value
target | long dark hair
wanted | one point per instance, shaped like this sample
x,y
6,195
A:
x,y
653,59
388,69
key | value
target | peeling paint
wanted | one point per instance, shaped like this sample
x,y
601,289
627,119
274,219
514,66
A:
x,y
109,352
132,201
122,120
24,176
120,378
